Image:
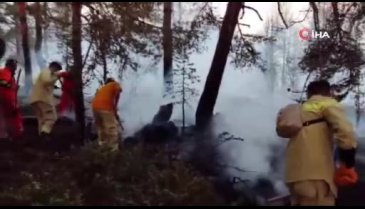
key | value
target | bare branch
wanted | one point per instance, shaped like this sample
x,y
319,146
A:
x,y
91,8
303,10
252,35
253,9
203,7
87,53
59,21
241,33
348,8
235,168
281,16
243,24
299,21
229,139
264,38
149,24
243,10
86,18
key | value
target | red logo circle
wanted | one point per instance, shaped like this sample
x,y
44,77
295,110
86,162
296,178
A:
x,y
305,34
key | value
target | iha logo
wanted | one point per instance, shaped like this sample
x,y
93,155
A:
x,y
306,34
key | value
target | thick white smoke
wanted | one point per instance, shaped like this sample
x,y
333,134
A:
x,y
140,100
246,103
249,110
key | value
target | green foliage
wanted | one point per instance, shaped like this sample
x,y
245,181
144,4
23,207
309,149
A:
x,y
118,33
186,78
327,57
97,176
243,52
341,53
189,35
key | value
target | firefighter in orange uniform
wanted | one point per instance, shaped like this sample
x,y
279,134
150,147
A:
x,y
104,106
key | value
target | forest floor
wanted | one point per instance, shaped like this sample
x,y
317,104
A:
x,y
32,174
35,173
93,175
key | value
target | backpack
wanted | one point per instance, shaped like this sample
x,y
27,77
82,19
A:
x,y
289,121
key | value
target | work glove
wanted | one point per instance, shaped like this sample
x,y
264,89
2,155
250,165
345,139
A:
x,y
347,157
345,176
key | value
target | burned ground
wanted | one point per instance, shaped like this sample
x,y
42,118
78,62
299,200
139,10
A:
x,y
34,174
61,172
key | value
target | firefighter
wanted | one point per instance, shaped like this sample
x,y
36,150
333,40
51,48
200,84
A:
x,y
105,106
67,100
42,99
311,175
8,100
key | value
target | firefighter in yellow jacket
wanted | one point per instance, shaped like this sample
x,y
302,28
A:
x,y
311,175
42,99
104,106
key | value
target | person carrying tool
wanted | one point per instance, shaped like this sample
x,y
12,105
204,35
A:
x,y
42,99
67,100
105,107
311,174
8,100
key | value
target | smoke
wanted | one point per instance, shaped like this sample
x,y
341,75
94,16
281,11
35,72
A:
x,y
40,59
140,100
248,108
246,102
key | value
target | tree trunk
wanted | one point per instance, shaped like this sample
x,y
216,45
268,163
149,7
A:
x,y
2,48
271,74
18,41
315,15
38,26
105,68
284,72
45,28
18,36
77,67
183,101
167,47
209,96
337,19
358,105
38,34
25,45
165,111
